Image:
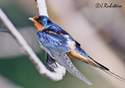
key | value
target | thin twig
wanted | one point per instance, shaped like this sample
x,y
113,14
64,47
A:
x,y
58,75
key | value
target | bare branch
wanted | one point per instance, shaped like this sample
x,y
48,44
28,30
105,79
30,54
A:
x,y
58,75
41,5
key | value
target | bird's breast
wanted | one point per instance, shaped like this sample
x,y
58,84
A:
x,y
38,26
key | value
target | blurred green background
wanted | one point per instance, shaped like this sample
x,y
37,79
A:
x,y
101,33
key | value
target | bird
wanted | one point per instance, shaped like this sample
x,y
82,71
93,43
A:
x,y
61,47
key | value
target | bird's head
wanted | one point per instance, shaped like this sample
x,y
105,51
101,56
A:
x,y
41,22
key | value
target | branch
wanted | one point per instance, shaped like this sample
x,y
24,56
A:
x,y
58,75
41,5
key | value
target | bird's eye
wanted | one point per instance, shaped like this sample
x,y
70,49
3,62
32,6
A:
x,y
39,20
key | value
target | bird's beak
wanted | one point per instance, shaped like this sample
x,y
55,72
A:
x,y
30,18
37,25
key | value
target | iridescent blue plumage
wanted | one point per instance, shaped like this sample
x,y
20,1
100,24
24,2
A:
x,y
53,42
81,51
53,36
60,46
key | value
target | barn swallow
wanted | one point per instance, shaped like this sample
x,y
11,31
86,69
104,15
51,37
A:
x,y
61,47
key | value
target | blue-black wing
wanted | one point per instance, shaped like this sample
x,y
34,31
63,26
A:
x,y
54,38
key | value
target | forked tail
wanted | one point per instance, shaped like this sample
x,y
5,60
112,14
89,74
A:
x,y
80,54
114,75
105,69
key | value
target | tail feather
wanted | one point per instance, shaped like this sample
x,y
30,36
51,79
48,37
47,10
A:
x,y
105,69
80,54
101,66
114,75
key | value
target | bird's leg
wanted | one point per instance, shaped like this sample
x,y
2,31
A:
x,y
51,63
